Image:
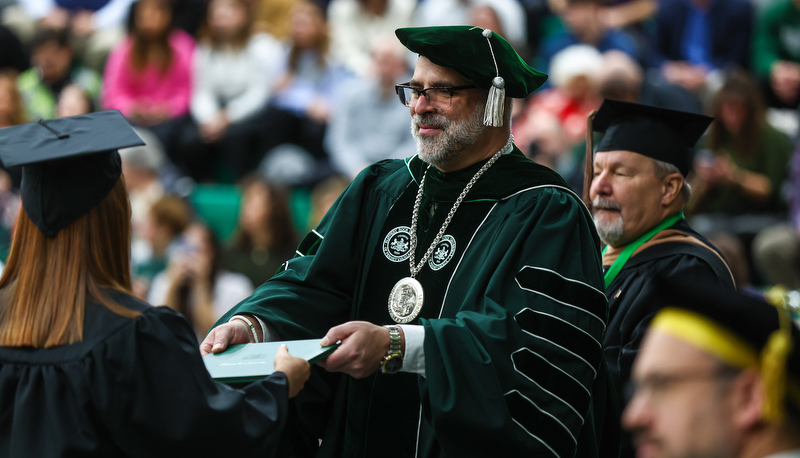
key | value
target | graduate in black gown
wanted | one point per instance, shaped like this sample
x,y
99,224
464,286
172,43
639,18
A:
x,y
85,368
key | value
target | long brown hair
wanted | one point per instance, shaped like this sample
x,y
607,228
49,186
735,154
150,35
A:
x,y
738,87
48,281
322,42
277,221
142,46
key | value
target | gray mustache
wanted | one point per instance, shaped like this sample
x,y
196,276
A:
x,y
605,204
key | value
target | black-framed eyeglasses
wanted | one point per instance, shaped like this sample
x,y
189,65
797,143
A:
x,y
437,97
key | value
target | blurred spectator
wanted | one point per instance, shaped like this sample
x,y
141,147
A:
x,y
265,237
275,17
148,77
621,14
510,14
323,196
622,78
696,39
302,103
13,55
195,285
141,166
160,237
776,249
583,25
370,123
776,52
94,26
233,72
54,68
572,96
73,101
355,24
748,160
12,113
11,110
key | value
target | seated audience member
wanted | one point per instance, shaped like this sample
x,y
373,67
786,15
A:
x,y
94,26
369,124
622,78
572,95
85,368
274,17
510,14
323,196
234,70
695,40
194,284
160,237
73,101
301,106
627,14
776,248
54,68
583,26
148,77
747,164
12,112
356,24
265,236
776,52
717,376
140,166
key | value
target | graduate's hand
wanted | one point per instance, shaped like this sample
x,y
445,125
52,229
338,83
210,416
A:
x,y
230,333
363,346
296,369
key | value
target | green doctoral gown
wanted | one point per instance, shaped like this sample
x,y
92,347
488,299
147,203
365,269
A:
x,y
514,317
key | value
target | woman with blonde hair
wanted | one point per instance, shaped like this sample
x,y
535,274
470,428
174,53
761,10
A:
x,y
85,368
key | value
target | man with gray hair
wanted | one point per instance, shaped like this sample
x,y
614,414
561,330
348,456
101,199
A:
x,y
638,190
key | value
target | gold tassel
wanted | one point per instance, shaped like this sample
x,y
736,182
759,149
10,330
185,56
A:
x,y
773,363
495,104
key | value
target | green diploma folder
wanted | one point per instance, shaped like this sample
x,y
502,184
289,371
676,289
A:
x,y
251,362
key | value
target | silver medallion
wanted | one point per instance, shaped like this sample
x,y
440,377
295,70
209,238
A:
x,y
405,300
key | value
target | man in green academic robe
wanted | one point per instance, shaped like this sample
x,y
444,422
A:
x,y
464,284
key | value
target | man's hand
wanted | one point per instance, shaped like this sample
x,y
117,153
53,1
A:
x,y
231,333
363,346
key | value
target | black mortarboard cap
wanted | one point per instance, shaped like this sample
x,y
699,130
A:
x,y
744,330
69,164
659,133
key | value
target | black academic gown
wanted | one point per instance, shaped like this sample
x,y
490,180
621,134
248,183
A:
x,y
631,300
134,388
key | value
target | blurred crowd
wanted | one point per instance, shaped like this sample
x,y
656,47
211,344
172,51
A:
x,y
257,113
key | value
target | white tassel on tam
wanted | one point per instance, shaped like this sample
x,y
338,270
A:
x,y
495,104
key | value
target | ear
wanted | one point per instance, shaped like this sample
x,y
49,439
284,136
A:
x,y
747,399
671,188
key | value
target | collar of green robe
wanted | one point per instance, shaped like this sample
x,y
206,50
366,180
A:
x,y
742,331
68,164
658,133
482,57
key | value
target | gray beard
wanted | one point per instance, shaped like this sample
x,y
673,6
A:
x,y
454,138
610,232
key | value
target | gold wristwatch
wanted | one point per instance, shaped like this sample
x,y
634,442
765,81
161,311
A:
x,y
393,361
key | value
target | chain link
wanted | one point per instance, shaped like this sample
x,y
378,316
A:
x,y
415,268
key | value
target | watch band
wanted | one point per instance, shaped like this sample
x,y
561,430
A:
x,y
393,361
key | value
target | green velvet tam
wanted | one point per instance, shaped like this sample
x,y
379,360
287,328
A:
x,y
464,49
